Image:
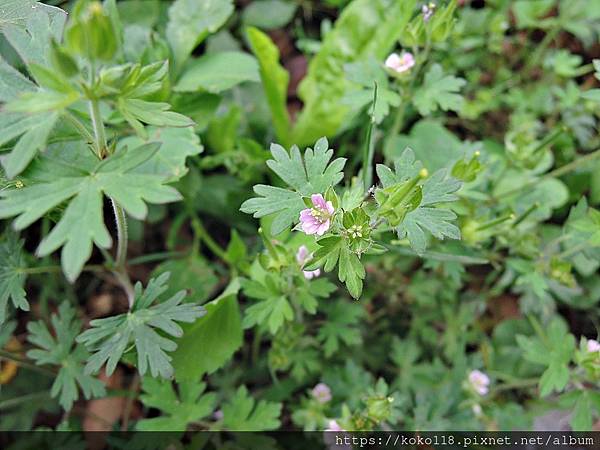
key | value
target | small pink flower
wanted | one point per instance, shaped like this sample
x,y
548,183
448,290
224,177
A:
x,y
427,11
302,256
317,220
334,426
479,382
332,440
218,414
321,393
593,346
400,63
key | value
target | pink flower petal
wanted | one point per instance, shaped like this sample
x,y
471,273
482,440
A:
x,y
306,214
322,228
310,227
302,255
330,208
318,201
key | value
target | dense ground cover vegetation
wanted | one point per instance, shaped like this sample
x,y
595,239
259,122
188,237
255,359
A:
x,y
273,214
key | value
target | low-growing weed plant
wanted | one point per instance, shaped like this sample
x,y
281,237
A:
x,y
319,215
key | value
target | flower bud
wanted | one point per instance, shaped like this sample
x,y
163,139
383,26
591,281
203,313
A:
x,y
91,33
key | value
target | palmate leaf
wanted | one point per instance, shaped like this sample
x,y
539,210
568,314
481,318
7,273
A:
x,y
335,250
437,189
32,130
12,278
29,26
341,326
242,413
190,404
82,222
272,308
61,350
554,351
312,174
438,90
109,338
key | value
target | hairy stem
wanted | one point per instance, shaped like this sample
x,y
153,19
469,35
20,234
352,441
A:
x,y
119,270
80,127
98,125
121,258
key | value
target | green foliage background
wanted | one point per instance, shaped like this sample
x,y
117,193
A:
x,y
156,157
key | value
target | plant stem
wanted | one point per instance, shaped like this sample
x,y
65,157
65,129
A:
x,y
573,250
36,396
122,236
80,127
47,269
25,363
133,389
369,152
98,128
399,118
119,270
203,235
159,256
541,49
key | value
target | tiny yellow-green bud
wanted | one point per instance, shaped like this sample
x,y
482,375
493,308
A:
x,y
423,173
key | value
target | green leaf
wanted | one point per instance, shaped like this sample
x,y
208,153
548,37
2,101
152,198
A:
x,y
211,341
405,168
275,81
192,274
335,250
438,90
366,74
177,144
437,189
12,82
190,22
109,338
528,13
189,404
151,113
29,26
341,326
554,349
592,94
272,308
582,419
62,351
269,14
217,72
273,311
426,139
351,271
12,277
33,139
82,222
435,220
242,413
365,28
312,174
